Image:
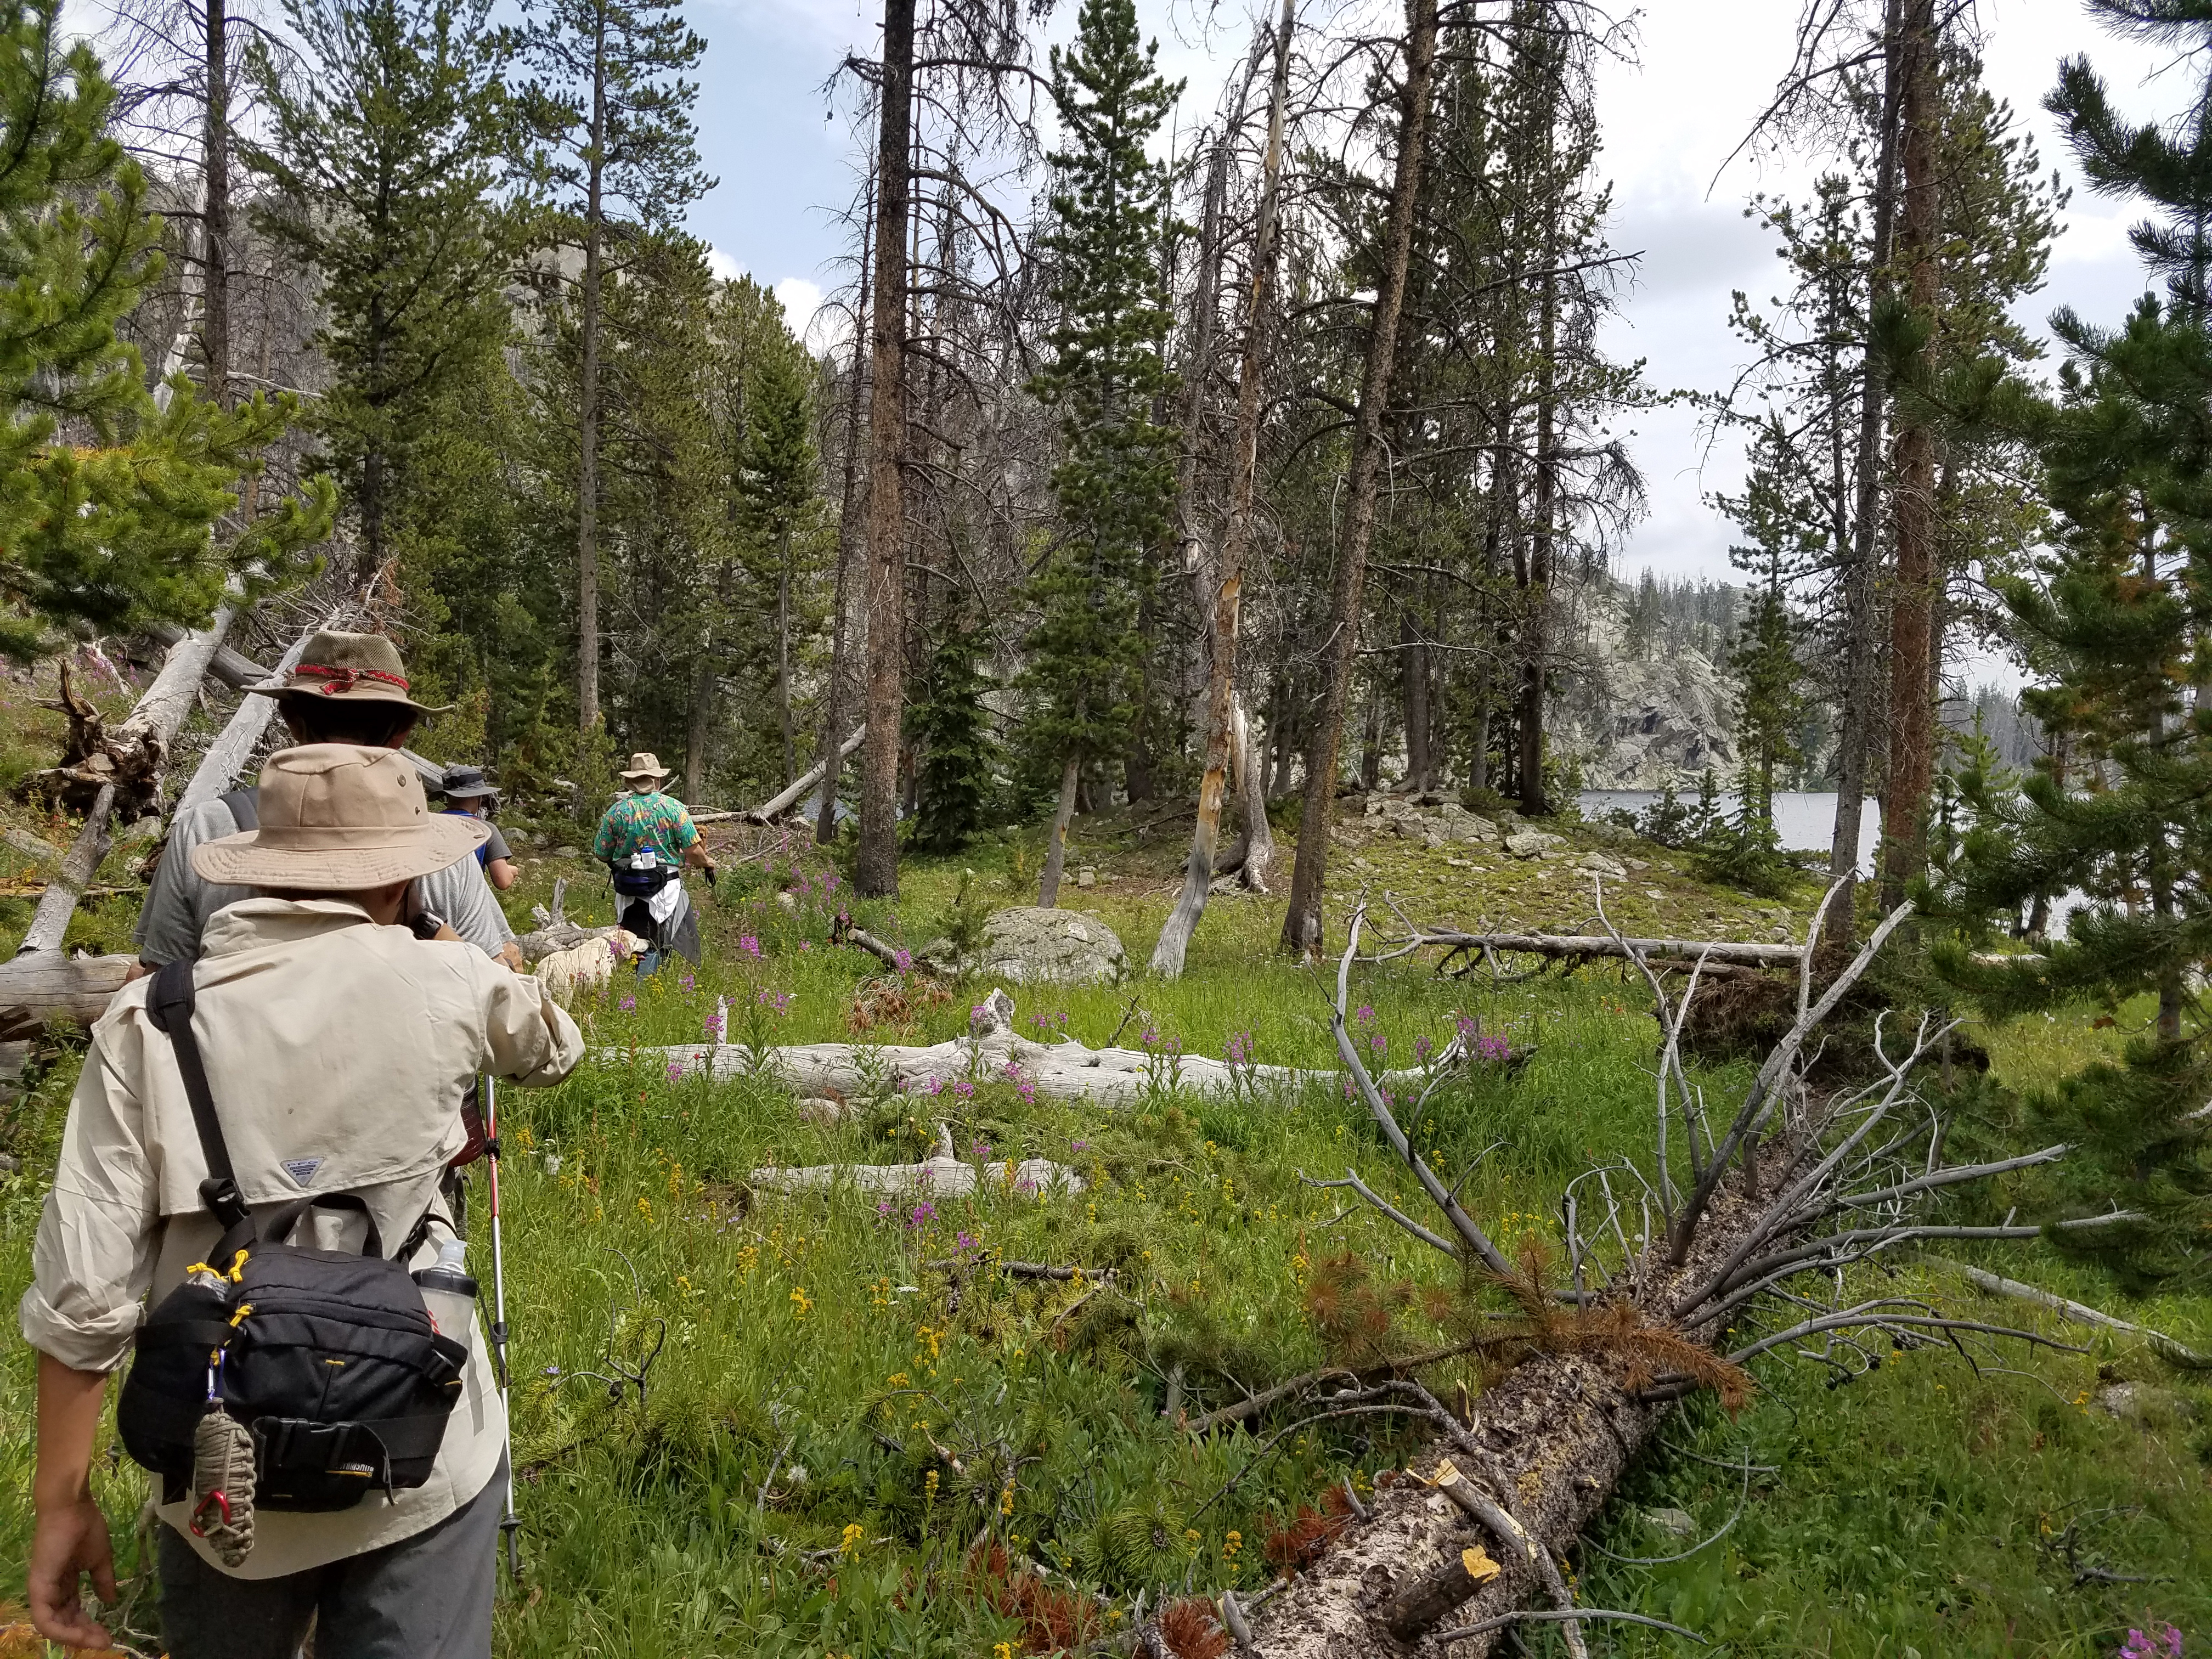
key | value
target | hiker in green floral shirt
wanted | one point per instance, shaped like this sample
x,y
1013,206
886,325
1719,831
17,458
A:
x,y
645,839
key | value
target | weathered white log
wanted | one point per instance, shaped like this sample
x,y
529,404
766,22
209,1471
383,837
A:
x,y
805,780
1061,1070
139,747
51,920
234,669
235,745
2080,1312
46,986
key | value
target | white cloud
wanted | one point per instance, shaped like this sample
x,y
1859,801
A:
x,y
726,269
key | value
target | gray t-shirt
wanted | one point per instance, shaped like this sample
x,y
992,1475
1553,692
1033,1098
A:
x,y
180,902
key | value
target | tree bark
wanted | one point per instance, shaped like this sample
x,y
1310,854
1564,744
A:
x,y
1862,618
699,719
783,657
876,873
1302,922
1055,853
588,442
215,239
1413,667
1245,460
1910,772
850,546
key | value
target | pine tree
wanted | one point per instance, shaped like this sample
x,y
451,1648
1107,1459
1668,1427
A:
x,y
1116,486
951,725
2119,620
385,158
782,510
625,149
107,501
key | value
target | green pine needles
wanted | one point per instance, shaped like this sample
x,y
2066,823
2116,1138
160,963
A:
x,y
1115,484
108,499
951,725
2117,622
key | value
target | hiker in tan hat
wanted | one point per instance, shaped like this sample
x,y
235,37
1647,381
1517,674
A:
x,y
346,688
645,840
337,1048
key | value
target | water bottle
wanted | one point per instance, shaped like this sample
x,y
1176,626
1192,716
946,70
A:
x,y
448,1292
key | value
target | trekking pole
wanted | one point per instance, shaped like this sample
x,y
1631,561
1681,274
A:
x,y
510,1524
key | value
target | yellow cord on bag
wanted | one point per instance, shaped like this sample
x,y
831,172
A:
x,y
236,1275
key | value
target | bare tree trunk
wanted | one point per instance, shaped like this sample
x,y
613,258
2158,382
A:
x,y
587,440
1414,666
1256,849
699,720
877,872
783,658
850,547
1302,922
1862,618
1910,772
1535,640
215,238
235,745
1221,706
1055,852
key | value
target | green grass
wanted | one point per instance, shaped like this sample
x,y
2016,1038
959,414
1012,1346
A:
x,y
1906,1513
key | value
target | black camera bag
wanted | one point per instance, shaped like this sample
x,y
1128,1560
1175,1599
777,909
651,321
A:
x,y
330,1359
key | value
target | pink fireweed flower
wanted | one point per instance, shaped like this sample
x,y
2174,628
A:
x,y
902,959
980,1149
674,1070
776,1002
628,1004
749,945
922,1215
1423,1047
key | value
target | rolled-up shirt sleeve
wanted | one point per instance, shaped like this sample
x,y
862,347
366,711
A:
x,y
532,1038
93,1257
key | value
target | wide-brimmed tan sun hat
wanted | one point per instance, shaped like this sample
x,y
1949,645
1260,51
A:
x,y
351,667
644,764
337,818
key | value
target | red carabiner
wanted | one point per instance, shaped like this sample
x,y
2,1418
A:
x,y
215,1497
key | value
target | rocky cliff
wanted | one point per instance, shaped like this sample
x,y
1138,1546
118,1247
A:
x,y
1642,708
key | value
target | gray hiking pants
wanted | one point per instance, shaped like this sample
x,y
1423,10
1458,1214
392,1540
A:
x,y
424,1597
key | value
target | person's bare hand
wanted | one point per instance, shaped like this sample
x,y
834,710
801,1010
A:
x,y
137,970
511,954
67,1541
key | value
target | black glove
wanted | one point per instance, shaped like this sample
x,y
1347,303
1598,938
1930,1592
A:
x,y
711,874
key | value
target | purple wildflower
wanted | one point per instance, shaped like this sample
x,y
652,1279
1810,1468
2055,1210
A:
x,y
686,982
628,1004
968,1240
749,945
965,1089
923,1214
903,960
713,1027
1365,1017
776,1002
1078,1146
980,1149
1240,1048
1423,1048
676,1071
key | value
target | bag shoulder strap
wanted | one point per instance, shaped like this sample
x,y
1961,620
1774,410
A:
x,y
245,806
169,1005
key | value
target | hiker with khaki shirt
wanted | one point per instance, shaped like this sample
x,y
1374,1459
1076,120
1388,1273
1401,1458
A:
x,y
337,1047
348,687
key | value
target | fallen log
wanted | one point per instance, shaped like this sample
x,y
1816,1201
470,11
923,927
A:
x,y
2080,1312
782,803
1739,952
134,754
235,745
45,986
233,669
1062,1071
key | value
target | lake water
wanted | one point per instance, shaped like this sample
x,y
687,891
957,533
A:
x,y
1804,818
1806,821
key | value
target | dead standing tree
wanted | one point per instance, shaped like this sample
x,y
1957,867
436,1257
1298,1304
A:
x,y
1672,1267
1222,723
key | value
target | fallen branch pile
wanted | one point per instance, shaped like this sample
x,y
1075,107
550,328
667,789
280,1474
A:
x,y
1673,1268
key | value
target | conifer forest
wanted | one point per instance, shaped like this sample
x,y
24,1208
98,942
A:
x,y
1294,1051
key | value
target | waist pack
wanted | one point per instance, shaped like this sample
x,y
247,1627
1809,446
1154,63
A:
x,y
634,879
329,1360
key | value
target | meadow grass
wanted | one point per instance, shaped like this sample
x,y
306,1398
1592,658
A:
x,y
822,1450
